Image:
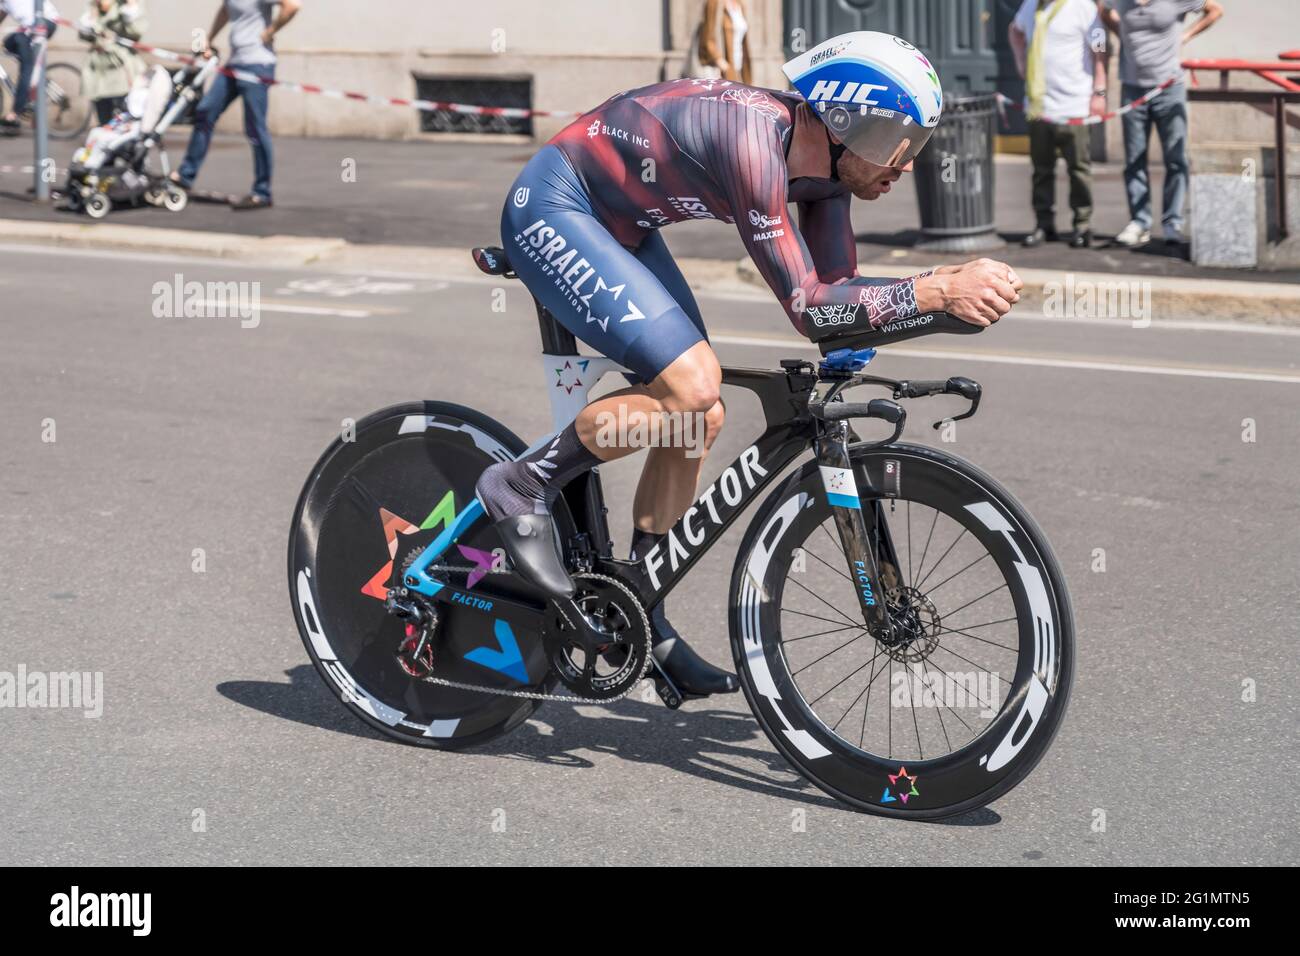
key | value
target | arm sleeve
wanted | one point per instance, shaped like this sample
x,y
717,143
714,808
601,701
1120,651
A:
x,y
749,166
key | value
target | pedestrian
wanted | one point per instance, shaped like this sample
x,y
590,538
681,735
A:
x,y
111,68
253,26
1060,51
22,44
720,49
1151,35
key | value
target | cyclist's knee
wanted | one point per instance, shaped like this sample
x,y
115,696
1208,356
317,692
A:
x,y
713,419
692,383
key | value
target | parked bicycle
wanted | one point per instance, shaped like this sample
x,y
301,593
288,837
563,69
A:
x,y
69,111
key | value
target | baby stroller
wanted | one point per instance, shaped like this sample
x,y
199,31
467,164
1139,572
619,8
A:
x,y
113,165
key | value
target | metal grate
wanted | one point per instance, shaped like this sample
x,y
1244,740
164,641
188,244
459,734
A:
x,y
475,91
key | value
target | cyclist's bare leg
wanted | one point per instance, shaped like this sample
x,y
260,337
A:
x,y
687,388
686,394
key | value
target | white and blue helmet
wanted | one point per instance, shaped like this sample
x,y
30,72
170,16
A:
x,y
876,92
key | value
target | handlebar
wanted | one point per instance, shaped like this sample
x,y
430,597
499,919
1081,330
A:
x,y
898,331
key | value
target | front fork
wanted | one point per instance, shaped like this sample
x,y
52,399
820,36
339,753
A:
x,y
864,534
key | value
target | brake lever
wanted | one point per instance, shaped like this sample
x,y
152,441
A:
x,y
968,389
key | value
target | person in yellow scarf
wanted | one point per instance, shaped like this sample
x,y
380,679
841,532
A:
x,y
1060,51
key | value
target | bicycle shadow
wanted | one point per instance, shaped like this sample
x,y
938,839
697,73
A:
x,y
699,740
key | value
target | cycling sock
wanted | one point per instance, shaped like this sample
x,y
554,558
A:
x,y
531,484
642,542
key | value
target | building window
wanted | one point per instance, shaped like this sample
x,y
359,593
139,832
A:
x,y
512,92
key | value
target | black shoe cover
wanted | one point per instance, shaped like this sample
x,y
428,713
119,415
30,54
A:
x,y
692,674
534,549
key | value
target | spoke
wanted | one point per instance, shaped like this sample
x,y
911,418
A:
x,y
955,714
804,637
889,709
815,617
829,565
833,650
915,724
973,664
962,571
824,601
865,690
867,706
910,579
839,547
940,561
953,630
838,683
976,601
926,549
925,673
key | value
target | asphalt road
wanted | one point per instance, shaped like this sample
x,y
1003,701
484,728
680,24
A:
x,y
176,434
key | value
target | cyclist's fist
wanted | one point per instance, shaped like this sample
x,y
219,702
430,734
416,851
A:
x,y
979,292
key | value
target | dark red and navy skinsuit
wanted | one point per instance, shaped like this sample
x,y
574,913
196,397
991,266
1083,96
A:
x,y
581,224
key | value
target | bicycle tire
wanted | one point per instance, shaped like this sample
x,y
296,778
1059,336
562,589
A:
x,y
974,774
77,106
351,640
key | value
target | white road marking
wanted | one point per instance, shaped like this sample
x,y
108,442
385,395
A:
x,y
999,358
300,309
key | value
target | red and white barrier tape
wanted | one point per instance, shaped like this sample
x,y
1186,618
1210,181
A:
x,y
1148,96
431,106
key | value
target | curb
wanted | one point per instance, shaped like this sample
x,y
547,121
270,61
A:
x,y
1226,300
1223,300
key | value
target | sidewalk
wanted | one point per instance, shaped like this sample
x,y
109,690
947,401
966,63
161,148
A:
x,y
447,197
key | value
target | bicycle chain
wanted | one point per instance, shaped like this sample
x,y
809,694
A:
x,y
539,695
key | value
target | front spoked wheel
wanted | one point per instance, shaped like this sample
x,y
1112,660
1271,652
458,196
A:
x,y
958,704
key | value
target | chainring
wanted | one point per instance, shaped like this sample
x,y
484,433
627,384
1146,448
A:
x,y
609,672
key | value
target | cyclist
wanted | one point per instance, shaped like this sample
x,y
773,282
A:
x,y
581,229
20,44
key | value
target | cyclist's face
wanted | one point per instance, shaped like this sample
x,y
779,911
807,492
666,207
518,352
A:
x,y
867,180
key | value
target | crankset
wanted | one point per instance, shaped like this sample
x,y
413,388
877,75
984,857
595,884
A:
x,y
597,643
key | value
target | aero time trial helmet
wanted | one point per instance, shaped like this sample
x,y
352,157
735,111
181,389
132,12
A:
x,y
876,92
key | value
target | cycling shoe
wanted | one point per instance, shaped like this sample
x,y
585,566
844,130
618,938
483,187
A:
x,y
533,546
692,674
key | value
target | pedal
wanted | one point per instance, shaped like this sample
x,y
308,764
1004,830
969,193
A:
x,y
667,692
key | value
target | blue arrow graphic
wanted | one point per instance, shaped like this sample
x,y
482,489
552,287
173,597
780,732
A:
x,y
888,797
508,660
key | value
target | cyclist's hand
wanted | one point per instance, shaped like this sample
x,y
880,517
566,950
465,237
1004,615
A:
x,y
980,292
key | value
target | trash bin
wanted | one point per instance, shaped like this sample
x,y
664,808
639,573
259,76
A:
x,y
954,177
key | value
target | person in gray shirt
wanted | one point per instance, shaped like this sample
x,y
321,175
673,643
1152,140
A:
x,y
1152,34
253,26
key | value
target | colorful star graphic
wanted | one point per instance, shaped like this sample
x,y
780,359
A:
x,y
443,514
907,789
560,377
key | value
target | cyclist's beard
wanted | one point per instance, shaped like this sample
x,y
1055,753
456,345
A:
x,y
865,180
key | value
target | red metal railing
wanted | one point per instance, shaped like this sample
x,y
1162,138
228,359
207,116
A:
x,y
1278,99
